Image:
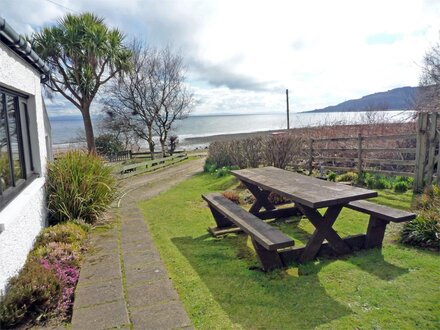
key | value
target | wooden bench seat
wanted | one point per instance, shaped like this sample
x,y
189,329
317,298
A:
x,y
380,211
265,238
380,216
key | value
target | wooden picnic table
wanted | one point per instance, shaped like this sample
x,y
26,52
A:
x,y
309,194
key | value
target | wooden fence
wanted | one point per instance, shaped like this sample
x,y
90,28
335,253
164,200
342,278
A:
x,y
386,154
132,169
415,154
128,154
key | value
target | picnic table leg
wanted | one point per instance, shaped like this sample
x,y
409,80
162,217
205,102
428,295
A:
x,y
261,198
220,219
269,260
375,232
324,230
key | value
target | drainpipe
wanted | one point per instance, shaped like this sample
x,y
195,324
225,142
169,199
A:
x,y
22,47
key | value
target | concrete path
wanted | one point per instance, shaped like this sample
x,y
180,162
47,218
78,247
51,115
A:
x,y
124,284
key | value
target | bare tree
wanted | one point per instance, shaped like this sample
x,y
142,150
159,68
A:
x,y
128,99
120,127
173,140
169,96
429,98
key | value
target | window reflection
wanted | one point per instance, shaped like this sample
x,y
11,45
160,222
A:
x,y
13,138
5,173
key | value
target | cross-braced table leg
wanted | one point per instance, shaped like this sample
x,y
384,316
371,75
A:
x,y
261,198
324,230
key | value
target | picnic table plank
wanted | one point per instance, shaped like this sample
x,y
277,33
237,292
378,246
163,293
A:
x,y
306,190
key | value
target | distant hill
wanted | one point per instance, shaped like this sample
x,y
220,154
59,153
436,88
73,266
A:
x,y
401,98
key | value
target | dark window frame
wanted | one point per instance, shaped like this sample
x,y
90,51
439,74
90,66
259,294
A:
x,y
17,183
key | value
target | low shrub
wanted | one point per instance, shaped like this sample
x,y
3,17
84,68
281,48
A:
x,y
232,196
401,187
275,150
45,286
332,176
107,144
32,295
62,233
209,167
430,199
79,186
69,254
409,180
377,181
424,231
381,183
347,177
225,170
276,199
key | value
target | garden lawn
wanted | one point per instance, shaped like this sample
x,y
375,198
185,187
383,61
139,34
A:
x,y
220,284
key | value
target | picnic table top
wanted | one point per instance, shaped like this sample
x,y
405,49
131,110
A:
x,y
306,190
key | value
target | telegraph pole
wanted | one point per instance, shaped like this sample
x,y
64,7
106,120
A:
x,y
287,101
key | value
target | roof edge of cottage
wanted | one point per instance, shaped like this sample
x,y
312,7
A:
x,y
23,49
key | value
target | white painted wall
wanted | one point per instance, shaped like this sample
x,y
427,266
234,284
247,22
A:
x,y
24,216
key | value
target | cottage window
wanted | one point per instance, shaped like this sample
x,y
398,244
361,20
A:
x,y
16,165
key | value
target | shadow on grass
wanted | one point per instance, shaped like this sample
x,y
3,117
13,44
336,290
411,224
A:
x,y
373,262
251,298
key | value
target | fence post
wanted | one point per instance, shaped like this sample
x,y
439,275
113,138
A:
x,y
432,147
359,155
311,157
422,141
438,159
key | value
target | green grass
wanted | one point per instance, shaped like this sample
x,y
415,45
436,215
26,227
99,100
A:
x,y
221,287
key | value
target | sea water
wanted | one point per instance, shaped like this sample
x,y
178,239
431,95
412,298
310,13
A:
x,y
67,130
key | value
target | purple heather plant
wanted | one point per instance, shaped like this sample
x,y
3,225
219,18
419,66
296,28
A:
x,y
68,276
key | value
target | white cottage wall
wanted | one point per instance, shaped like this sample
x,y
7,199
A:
x,y
24,216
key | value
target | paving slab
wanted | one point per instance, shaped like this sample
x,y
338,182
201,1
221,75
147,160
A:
x,y
140,257
145,273
98,293
151,293
169,315
104,316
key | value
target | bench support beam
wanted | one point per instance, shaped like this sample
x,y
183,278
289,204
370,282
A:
x,y
355,242
375,232
220,219
269,260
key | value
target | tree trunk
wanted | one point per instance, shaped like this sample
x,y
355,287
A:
x,y
88,129
150,141
162,144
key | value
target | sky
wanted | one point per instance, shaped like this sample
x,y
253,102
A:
x,y
242,55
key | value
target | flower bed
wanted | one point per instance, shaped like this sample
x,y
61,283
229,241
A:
x,y
43,292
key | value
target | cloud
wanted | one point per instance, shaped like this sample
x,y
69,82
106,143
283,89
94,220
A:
x,y
221,75
241,55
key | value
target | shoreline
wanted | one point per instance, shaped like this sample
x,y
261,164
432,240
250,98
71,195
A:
x,y
202,142
230,136
312,132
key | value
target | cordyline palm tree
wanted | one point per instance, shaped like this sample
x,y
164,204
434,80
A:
x,y
83,54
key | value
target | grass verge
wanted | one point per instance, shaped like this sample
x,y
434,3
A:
x,y
220,286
